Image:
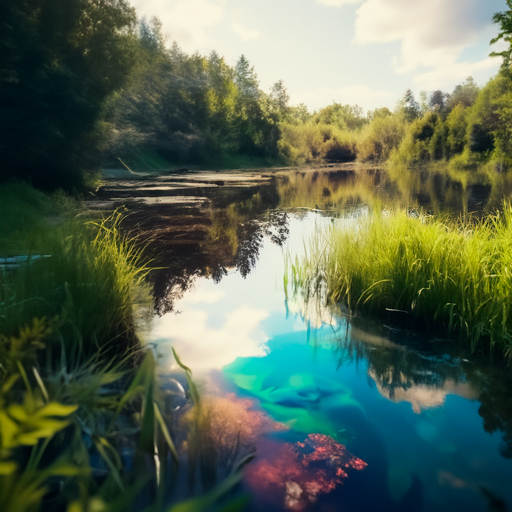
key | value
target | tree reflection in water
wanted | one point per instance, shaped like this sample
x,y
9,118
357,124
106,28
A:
x,y
232,239
416,367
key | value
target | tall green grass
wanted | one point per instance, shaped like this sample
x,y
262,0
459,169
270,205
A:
x,y
86,275
454,275
83,423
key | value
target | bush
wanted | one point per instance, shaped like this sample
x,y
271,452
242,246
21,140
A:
x,y
380,138
313,141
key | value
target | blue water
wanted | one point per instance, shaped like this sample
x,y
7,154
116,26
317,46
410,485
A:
x,y
399,426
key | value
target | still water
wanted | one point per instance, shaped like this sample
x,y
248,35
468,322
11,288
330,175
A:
x,y
344,413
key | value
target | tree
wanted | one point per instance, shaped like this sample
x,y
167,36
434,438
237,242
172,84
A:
x,y
464,94
505,21
437,101
378,113
246,79
278,101
409,106
299,114
60,60
343,116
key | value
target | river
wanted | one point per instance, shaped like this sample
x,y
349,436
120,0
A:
x,y
340,412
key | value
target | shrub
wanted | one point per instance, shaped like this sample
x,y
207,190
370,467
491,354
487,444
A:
x,y
380,138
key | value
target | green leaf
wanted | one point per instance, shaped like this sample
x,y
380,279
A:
x,y
165,432
180,364
56,409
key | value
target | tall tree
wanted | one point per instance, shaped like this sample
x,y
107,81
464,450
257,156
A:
x,y
504,19
279,100
409,106
60,60
464,94
437,101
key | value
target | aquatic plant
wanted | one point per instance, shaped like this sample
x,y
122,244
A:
x,y
448,274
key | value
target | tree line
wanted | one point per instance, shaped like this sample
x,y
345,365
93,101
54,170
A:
x,y
84,83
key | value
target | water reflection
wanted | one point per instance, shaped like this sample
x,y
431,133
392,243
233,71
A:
x,y
207,225
311,386
434,189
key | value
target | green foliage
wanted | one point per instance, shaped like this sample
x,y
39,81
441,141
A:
x,y
380,137
344,117
62,59
464,94
457,129
314,141
408,107
505,21
417,144
66,430
453,275
476,129
190,108
86,273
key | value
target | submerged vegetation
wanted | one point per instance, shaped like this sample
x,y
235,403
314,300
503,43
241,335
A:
x,y
446,274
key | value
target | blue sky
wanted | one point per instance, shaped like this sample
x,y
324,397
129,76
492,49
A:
x,y
367,52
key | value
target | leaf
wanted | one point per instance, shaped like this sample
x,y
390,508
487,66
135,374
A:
x,y
165,432
9,429
56,409
180,364
191,384
100,443
18,412
9,383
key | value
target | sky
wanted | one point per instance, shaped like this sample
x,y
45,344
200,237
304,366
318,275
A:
x,y
365,52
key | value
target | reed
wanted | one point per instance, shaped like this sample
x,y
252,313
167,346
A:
x,y
453,274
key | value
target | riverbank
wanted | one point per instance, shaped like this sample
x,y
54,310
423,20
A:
x,y
448,275
84,423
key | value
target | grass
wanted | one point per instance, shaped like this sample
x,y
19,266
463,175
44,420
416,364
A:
x,y
87,275
83,423
453,275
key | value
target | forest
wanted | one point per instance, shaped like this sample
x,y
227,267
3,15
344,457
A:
x,y
142,100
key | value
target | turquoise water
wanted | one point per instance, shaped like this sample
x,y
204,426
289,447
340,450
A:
x,y
344,413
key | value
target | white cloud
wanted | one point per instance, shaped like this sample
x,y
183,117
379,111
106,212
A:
x,y
433,33
200,296
244,33
454,74
337,3
362,95
204,347
184,21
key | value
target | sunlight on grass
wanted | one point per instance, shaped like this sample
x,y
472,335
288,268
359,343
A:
x,y
455,275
